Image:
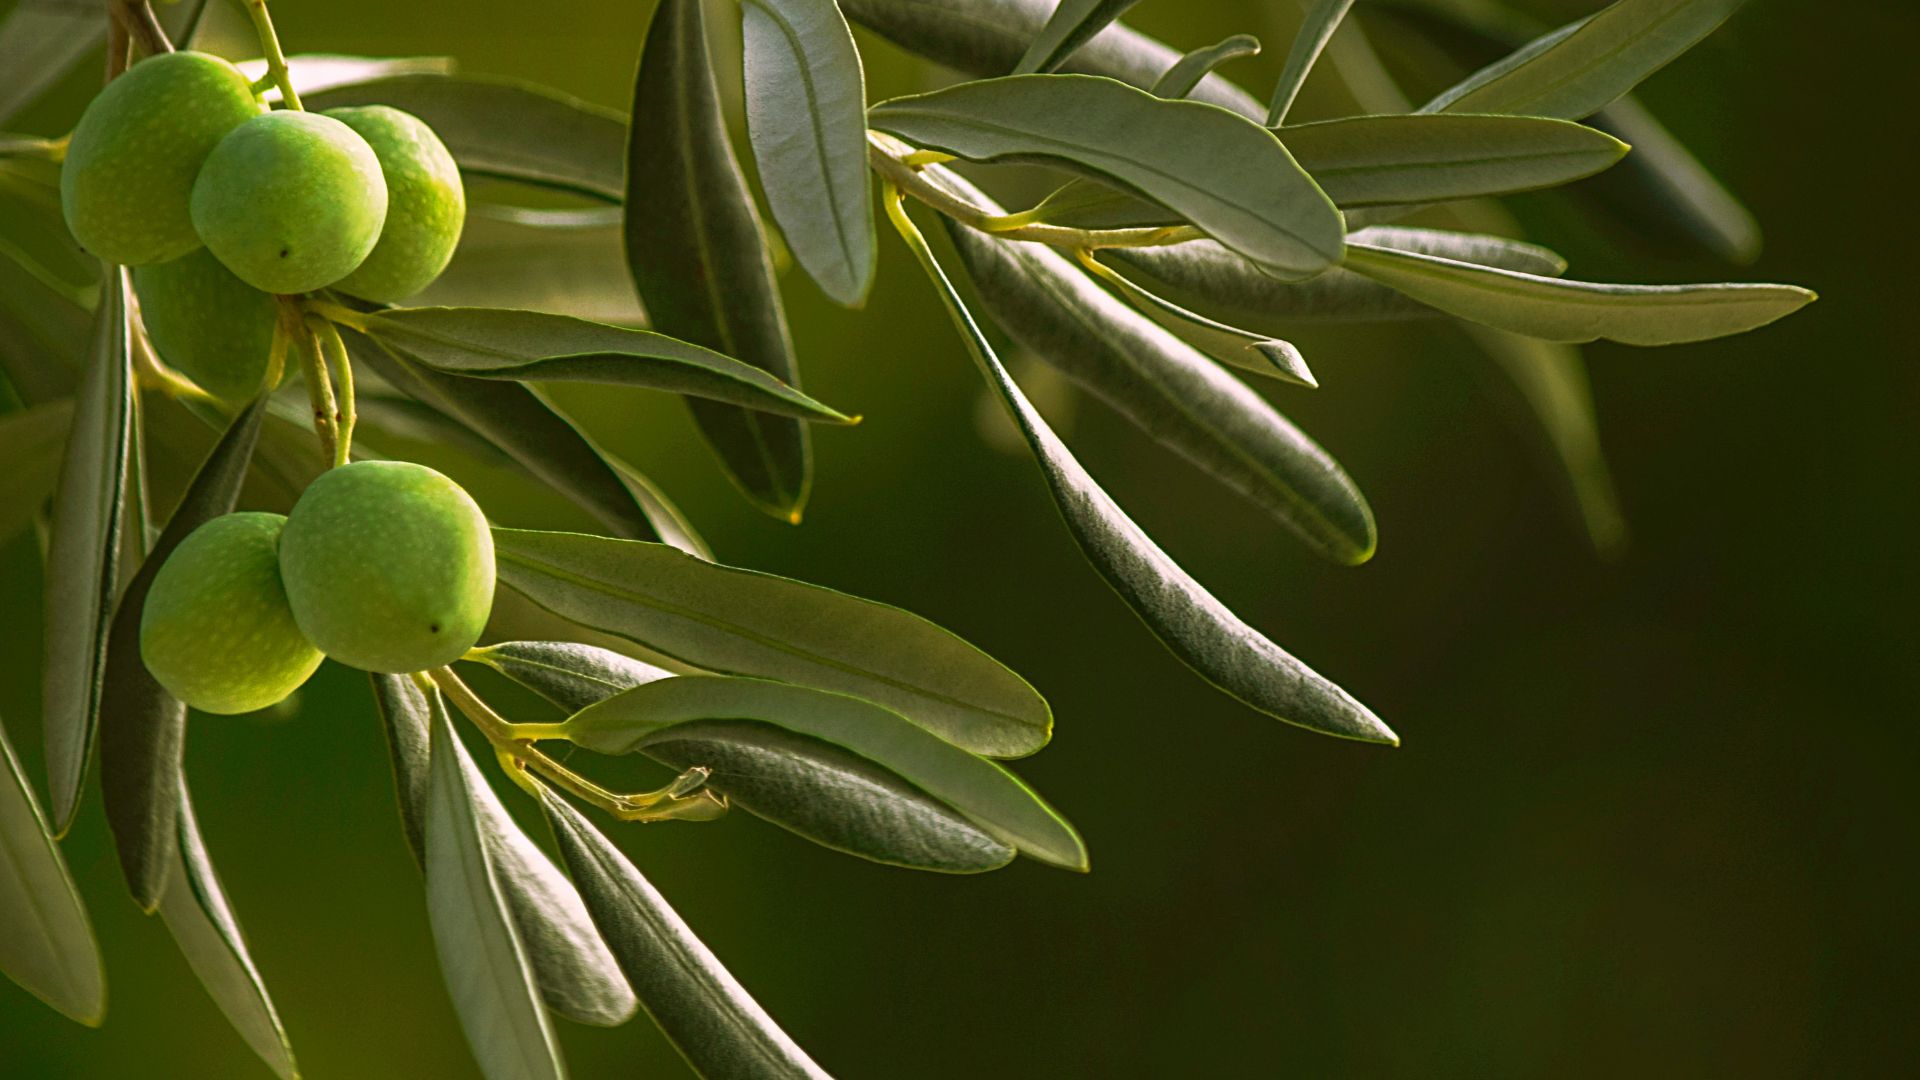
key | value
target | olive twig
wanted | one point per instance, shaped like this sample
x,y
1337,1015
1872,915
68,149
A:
x,y
142,25
319,387
342,366
270,48
686,798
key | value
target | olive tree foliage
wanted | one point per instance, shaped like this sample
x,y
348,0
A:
x,y
1192,222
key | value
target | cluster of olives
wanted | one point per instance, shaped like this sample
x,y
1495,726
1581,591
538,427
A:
x,y
178,170
382,565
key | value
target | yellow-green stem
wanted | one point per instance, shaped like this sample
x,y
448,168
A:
x,y
314,372
270,48
342,367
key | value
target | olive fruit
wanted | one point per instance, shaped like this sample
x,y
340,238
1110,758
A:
x,y
290,201
426,205
216,630
207,324
130,167
388,566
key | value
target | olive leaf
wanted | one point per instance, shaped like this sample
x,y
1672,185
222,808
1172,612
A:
x,y
1249,194
41,40
200,918
986,793
46,939
31,441
1230,345
482,954
724,619
707,1014
1184,77
143,728
1194,625
576,974
513,345
1384,160
316,73
44,334
807,119
565,262
988,37
83,571
1068,28
698,255
1165,388
1577,70
1322,19
571,675
505,128
1558,310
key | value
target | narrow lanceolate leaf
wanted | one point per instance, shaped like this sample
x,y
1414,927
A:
x,y
46,941
566,262
988,37
198,914
1195,626
571,675
1207,276
316,73
506,129
521,422
1184,77
807,119
1070,26
1322,19
39,41
1230,345
143,728
30,443
707,1014
1578,69
1557,396
740,622
1164,387
482,955
576,974
832,796
986,793
505,343
1662,182
698,255
83,551
1383,160
1557,310
1225,174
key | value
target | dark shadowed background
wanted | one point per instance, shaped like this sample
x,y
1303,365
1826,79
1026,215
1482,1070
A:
x,y
1650,818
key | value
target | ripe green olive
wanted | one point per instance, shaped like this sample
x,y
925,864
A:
x,y
216,630
130,167
388,566
426,204
209,325
290,201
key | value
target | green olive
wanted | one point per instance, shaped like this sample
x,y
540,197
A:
x,y
426,205
207,324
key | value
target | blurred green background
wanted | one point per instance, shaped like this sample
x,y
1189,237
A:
x,y
1650,818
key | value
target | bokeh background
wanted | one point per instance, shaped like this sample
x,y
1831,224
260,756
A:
x,y
1650,818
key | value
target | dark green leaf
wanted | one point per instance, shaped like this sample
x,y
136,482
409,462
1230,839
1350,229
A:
x,y
724,619
1557,310
143,728
700,1006
525,425
30,444
807,117
570,675
198,914
988,37
1220,171
1194,626
507,129
502,343
83,555
1322,19
576,974
482,955
1577,70
1072,23
1184,77
46,940
832,796
1386,160
1165,388
698,255
566,262
983,791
